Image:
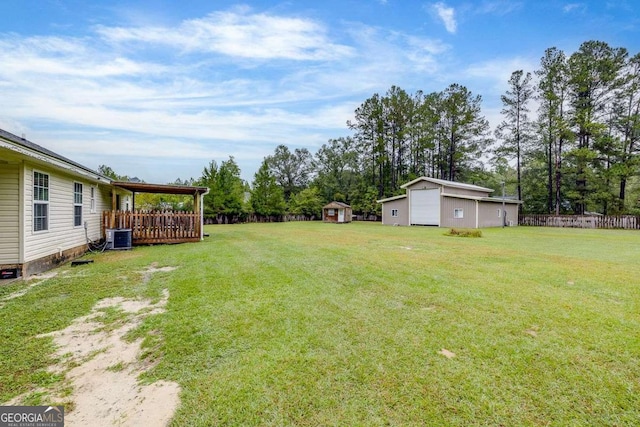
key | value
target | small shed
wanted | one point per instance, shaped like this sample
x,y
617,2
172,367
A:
x,y
337,212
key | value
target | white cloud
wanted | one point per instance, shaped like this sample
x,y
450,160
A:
x,y
498,7
492,77
239,34
179,95
570,7
388,57
66,57
447,15
498,71
423,54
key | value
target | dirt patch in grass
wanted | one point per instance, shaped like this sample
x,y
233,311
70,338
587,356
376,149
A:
x,y
153,268
33,282
446,353
533,331
102,367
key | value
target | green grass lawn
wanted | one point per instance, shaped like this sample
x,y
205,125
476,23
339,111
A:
x,y
321,324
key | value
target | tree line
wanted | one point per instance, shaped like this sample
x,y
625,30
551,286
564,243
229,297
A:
x,y
567,144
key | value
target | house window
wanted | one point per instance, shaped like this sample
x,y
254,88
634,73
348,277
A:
x,y
458,213
93,199
77,204
331,212
499,213
394,212
40,201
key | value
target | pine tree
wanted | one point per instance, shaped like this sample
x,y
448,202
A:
x,y
593,77
267,197
627,127
552,122
464,132
515,130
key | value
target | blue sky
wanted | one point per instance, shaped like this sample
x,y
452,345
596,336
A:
x,y
158,88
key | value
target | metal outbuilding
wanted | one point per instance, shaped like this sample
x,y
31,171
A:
x,y
437,202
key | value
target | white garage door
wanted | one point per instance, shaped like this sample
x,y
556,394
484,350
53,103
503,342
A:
x,y
425,207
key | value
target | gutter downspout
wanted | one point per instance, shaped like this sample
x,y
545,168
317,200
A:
x,y
202,214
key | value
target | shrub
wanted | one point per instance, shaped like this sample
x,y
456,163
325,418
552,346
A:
x,y
463,233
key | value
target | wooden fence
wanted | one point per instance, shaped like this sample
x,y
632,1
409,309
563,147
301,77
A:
x,y
155,227
626,222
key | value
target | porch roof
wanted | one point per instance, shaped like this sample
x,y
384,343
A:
x,y
143,187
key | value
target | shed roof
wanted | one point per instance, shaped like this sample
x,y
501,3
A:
x,y
448,184
336,205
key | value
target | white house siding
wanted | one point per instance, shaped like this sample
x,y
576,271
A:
x,y
103,203
447,207
402,205
9,214
61,234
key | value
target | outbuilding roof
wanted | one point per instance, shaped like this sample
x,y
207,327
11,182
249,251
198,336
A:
x,y
482,199
458,196
336,205
390,199
448,184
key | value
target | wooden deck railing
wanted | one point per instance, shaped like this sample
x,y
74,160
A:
x,y
627,222
155,227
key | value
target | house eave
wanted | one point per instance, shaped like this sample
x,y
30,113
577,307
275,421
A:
x,y
54,161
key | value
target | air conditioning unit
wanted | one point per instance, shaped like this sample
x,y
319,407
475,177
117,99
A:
x,y
118,238
510,223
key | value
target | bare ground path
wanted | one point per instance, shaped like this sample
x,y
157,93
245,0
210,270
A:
x,y
102,368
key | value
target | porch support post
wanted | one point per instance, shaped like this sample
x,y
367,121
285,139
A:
x,y
112,219
197,210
